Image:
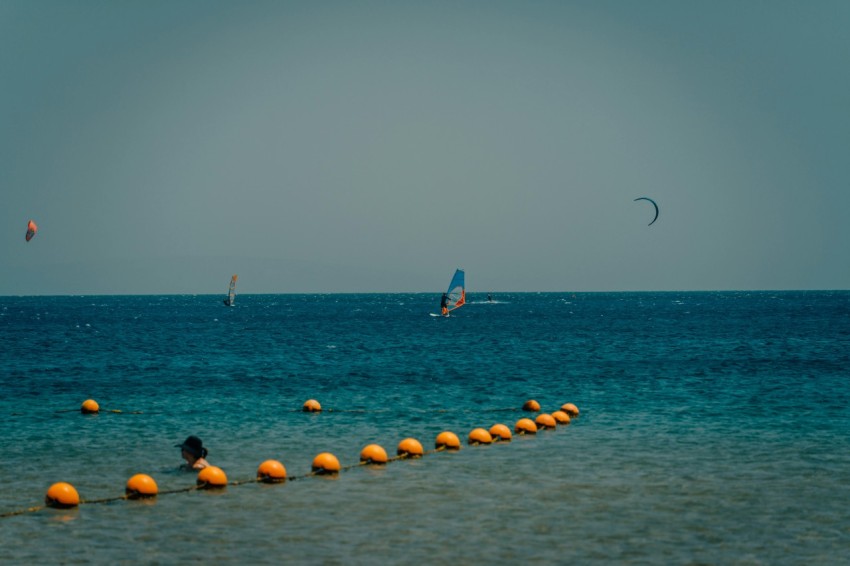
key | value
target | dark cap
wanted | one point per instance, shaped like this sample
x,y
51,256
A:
x,y
192,445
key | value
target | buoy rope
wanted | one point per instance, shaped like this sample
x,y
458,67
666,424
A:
x,y
22,511
183,489
287,478
134,494
105,500
316,472
436,411
355,411
102,411
350,411
327,410
202,485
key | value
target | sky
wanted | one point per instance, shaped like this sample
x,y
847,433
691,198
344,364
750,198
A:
x,y
375,146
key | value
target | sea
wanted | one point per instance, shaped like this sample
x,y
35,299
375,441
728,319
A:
x,y
714,428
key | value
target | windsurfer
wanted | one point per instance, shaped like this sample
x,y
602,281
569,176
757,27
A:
x,y
444,305
231,292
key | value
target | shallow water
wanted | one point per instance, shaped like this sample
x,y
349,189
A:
x,y
714,428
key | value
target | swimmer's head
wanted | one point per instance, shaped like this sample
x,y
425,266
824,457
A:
x,y
193,446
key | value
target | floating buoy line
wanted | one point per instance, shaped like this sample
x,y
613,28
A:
x,y
91,407
63,495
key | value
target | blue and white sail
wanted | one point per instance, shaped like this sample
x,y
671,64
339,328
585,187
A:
x,y
456,294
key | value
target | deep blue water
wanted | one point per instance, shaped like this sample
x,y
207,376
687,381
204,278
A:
x,y
715,427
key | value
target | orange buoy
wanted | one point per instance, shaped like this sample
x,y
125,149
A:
x,y
561,417
410,448
89,406
525,426
140,486
62,496
326,463
311,406
545,420
501,432
212,477
447,440
271,471
479,436
531,405
570,409
373,454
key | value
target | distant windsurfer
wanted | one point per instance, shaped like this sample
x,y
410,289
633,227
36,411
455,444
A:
x,y
489,298
444,305
231,292
31,230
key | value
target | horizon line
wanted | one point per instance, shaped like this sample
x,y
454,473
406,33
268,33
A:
x,y
430,293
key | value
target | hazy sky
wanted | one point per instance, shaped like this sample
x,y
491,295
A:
x,y
375,146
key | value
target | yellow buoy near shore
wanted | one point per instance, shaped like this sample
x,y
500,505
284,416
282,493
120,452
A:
x,y
525,426
531,405
545,420
140,486
570,409
62,495
410,448
447,440
311,406
89,406
326,463
501,432
271,471
479,436
561,417
373,454
212,477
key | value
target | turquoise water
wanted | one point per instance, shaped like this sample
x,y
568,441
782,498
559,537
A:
x,y
715,427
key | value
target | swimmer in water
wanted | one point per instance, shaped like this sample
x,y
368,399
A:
x,y
194,453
